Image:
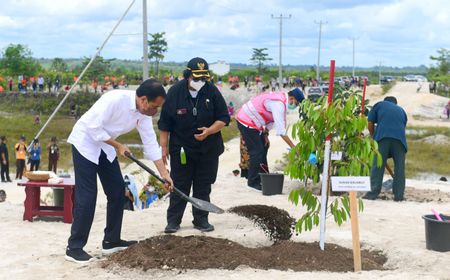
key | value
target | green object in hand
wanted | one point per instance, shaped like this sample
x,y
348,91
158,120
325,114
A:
x,y
182,156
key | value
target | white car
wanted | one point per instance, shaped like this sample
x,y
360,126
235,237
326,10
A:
x,y
314,93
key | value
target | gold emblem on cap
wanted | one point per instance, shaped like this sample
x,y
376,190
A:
x,y
201,66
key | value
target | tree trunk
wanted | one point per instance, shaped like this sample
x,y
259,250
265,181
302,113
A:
x,y
157,68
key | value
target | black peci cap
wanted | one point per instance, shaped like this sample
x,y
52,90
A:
x,y
152,89
198,67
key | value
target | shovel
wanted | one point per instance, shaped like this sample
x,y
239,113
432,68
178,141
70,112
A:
x,y
197,203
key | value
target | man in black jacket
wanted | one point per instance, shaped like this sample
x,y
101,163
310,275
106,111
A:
x,y
193,115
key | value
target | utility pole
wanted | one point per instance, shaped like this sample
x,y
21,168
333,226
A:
x,y
280,70
145,41
379,71
353,41
318,51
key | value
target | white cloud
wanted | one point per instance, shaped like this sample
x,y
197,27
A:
x,y
403,32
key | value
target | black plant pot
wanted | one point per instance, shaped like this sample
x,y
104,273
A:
x,y
272,183
437,233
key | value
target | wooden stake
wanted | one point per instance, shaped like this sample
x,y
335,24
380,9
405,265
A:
x,y
355,232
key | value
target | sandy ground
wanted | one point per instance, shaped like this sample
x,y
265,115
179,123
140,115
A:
x,y
36,250
423,108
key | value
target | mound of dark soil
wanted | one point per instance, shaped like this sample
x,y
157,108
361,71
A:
x,y
275,222
201,252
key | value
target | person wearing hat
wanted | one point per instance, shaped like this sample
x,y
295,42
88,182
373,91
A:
x,y
94,152
258,115
35,155
21,154
193,115
295,97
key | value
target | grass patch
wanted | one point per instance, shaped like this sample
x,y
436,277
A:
x,y
424,158
231,131
387,87
427,157
19,124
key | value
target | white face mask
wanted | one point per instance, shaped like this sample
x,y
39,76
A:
x,y
197,85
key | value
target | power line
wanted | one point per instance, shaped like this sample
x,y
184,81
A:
x,y
280,70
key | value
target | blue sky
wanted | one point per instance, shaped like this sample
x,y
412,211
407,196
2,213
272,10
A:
x,y
397,33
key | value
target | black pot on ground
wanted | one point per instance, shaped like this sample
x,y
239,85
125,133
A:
x,y
272,183
437,233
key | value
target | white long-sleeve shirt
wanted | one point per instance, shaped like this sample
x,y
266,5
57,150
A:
x,y
278,110
112,115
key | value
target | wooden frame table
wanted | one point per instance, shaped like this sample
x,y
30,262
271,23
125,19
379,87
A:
x,y
32,201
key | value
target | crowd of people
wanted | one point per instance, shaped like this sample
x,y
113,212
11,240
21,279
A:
x,y
43,85
27,158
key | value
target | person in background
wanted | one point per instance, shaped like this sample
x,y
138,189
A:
x,y
255,117
231,109
193,115
35,155
447,110
40,82
53,154
387,125
10,84
4,160
34,86
21,153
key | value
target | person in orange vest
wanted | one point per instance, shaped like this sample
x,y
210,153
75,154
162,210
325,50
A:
x,y
262,113
21,152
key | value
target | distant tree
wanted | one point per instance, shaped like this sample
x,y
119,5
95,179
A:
x,y
259,57
443,61
59,65
17,60
98,68
157,47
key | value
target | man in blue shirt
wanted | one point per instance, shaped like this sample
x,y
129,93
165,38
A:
x,y
390,120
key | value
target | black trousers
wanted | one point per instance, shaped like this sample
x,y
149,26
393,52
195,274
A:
x,y
20,166
389,147
34,164
86,197
4,171
254,140
198,172
52,164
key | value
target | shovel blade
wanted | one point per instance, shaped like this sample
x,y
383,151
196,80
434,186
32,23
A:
x,y
205,205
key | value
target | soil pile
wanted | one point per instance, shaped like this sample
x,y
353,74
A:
x,y
201,252
276,223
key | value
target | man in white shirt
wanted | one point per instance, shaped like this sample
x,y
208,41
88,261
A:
x,y
94,152
40,82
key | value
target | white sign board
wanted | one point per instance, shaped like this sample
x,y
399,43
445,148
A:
x,y
350,183
336,155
